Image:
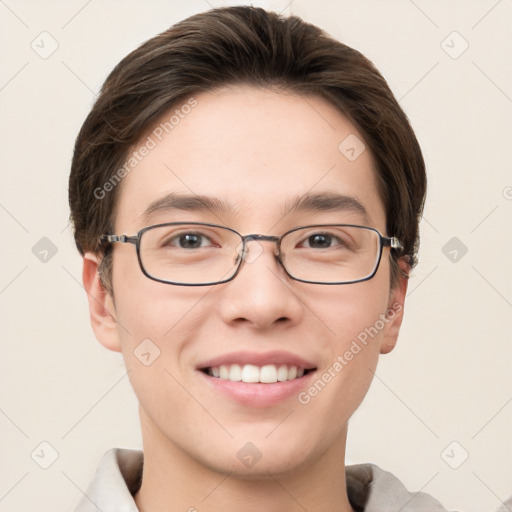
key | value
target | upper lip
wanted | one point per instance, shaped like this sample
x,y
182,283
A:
x,y
277,358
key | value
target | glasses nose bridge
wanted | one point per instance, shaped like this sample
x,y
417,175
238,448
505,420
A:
x,y
263,238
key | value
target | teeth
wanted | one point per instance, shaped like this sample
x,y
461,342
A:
x,y
224,372
267,374
282,373
250,373
235,373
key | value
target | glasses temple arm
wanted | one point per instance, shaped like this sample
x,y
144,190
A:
x,y
124,239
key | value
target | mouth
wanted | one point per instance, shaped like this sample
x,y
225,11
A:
x,y
257,379
251,373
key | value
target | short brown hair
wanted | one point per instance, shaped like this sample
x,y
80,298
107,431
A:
x,y
241,45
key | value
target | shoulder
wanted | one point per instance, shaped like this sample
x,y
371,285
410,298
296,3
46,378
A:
x,y
371,489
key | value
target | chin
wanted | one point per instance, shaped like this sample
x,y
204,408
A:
x,y
264,469
257,460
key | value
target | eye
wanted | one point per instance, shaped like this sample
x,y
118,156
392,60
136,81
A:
x,y
188,240
322,241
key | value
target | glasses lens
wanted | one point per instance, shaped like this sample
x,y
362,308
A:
x,y
189,253
331,254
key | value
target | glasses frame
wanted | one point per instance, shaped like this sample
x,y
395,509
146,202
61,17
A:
x,y
384,241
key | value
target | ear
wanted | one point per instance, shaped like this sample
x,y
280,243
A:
x,y
395,312
101,304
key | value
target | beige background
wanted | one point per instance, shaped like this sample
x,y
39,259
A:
x,y
449,379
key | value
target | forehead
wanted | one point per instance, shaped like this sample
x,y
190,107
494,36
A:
x,y
256,153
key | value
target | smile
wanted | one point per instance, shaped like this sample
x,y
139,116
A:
x,y
250,373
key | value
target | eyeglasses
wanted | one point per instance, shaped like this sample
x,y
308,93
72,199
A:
x,y
201,254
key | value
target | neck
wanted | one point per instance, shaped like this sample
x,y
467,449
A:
x,y
173,481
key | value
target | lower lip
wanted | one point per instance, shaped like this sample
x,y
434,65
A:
x,y
258,394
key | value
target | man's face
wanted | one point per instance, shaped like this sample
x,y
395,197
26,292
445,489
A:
x,y
255,150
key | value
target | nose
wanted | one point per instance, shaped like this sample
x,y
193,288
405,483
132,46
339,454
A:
x,y
261,294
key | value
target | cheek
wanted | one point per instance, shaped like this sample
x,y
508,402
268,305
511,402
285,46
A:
x,y
156,323
349,311
354,327
146,308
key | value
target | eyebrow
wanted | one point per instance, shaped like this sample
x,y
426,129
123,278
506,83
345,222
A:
x,y
326,201
309,202
190,203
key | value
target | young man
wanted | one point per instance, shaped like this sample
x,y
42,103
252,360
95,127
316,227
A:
x,y
246,194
